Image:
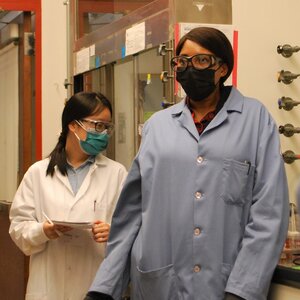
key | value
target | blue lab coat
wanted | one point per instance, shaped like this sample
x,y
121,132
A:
x,y
199,216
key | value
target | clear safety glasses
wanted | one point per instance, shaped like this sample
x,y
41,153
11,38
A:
x,y
198,62
99,126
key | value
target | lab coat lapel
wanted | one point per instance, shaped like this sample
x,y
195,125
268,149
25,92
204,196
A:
x,y
217,120
186,121
64,180
232,104
85,184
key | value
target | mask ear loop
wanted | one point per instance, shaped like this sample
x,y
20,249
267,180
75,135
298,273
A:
x,y
78,138
81,125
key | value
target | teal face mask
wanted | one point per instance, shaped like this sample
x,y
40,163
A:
x,y
94,143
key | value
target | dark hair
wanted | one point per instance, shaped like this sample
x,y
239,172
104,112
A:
x,y
79,106
213,40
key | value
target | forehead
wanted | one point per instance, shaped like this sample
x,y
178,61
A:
x,y
103,115
191,48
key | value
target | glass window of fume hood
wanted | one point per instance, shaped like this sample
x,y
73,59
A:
x,y
150,86
94,14
138,93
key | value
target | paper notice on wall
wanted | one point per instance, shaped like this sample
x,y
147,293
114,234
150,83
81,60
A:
x,y
83,60
92,50
135,39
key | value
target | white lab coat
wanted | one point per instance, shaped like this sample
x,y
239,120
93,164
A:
x,y
63,269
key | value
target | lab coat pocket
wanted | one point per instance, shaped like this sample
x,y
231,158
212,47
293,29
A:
x,y
159,284
234,181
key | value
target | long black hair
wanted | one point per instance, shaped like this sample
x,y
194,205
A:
x,y
213,40
79,106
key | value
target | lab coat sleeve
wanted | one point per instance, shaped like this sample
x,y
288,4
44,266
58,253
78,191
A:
x,y
267,225
113,275
25,230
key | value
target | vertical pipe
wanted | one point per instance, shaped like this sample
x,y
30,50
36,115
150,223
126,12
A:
x,y
69,41
136,101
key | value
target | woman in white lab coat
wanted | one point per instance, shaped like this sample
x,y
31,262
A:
x,y
76,184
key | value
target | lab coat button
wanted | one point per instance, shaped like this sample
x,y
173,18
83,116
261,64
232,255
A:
x,y
199,159
197,269
197,231
198,195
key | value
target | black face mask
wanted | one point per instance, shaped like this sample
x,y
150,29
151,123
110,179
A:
x,y
197,84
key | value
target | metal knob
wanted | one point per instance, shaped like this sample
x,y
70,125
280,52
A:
x,y
287,103
287,50
288,130
286,76
164,76
162,49
289,156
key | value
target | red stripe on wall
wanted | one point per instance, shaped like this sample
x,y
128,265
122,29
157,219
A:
x,y
235,50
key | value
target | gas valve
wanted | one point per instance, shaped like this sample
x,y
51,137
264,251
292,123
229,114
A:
x,y
286,77
289,156
287,103
287,50
288,130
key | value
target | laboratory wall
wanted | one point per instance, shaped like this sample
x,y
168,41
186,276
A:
x,y
54,70
262,26
9,109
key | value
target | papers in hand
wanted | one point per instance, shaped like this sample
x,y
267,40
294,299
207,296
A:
x,y
81,225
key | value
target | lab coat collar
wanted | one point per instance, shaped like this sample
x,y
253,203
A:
x,y
100,160
233,103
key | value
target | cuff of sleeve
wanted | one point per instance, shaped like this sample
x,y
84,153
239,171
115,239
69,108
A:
x,y
97,296
229,296
38,235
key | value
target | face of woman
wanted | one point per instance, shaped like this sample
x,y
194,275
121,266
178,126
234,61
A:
x,y
191,48
103,116
77,130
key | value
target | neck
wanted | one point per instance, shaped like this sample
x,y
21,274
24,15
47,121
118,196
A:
x,y
75,155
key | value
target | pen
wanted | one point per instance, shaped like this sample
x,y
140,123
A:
x,y
50,222
95,205
249,166
47,218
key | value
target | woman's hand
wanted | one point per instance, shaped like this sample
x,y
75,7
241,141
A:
x,y
100,231
53,231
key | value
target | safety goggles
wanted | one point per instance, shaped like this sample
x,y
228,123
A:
x,y
99,126
198,62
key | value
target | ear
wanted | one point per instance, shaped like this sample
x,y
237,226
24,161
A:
x,y
72,126
224,70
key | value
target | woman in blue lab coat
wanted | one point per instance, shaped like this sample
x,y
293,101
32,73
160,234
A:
x,y
203,214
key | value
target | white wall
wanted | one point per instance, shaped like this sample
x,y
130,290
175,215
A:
x,y
54,70
9,115
262,26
